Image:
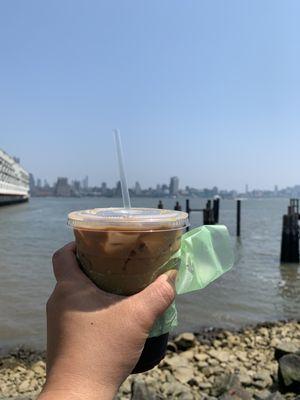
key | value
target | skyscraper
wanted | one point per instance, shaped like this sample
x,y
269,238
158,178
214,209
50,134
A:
x,y
62,188
31,183
85,183
137,189
103,188
174,185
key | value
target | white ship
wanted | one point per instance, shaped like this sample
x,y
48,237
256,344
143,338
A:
x,y
14,181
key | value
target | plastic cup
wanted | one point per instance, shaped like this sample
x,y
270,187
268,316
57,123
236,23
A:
x,y
123,250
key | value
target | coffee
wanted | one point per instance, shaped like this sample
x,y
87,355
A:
x,y
124,250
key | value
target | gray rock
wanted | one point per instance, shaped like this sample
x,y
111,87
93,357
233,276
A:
x,y
178,391
261,394
289,373
185,340
261,380
24,386
219,354
183,374
236,394
175,361
142,391
245,379
284,348
224,383
275,396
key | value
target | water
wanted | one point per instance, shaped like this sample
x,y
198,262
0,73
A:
x,y
256,289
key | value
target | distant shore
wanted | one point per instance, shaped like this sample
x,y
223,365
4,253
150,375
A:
x,y
210,364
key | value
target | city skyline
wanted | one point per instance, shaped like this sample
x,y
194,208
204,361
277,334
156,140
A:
x,y
65,188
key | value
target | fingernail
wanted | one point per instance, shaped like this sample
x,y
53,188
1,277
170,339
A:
x,y
172,275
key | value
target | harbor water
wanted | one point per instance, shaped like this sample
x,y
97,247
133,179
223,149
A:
x,y
257,289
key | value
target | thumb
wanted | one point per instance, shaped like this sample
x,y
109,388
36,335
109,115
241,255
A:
x,y
156,298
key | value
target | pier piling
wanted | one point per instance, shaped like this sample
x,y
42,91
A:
x,y
160,205
290,234
216,207
177,206
238,218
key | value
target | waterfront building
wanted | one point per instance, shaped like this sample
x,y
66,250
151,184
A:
x,y
85,183
62,188
103,188
174,186
137,189
14,180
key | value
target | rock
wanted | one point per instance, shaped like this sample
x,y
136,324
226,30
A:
x,y
261,380
241,355
263,331
185,340
39,368
289,373
236,394
261,394
188,354
178,391
224,383
205,385
284,348
171,346
184,374
275,396
141,391
24,386
174,361
220,355
201,356
126,386
245,379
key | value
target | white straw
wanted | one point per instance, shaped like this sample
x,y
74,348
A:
x,y
124,186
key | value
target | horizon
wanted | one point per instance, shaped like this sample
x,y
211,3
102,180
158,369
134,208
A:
x,y
205,91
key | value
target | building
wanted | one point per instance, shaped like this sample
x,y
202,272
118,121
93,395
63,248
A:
x,y
118,189
85,183
137,189
31,183
174,186
103,188
62,188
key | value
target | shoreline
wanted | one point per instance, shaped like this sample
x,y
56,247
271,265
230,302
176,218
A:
x,y
208,364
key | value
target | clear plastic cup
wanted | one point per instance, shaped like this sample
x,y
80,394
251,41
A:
x,y
123,250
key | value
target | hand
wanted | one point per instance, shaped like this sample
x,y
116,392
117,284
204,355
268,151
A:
x,y
94,338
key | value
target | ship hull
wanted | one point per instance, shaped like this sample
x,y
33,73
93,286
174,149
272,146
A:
x,y
6,200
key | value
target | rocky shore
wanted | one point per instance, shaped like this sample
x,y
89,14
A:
x,y
261,362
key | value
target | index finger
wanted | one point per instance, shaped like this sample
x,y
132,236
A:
x,y
65,264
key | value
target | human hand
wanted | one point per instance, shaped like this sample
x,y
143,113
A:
x,y
94,338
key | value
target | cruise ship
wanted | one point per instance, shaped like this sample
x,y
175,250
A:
x,y
14,181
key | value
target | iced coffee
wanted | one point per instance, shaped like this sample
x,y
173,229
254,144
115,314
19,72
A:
x,y
124,250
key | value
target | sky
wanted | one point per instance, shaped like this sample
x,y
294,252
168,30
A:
x,y
205,90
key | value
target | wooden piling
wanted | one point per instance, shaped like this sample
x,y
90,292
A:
x,y
238,218
177,206
208,214
216,207
290,234
187,206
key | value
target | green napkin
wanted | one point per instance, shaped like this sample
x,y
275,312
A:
x,y
205,254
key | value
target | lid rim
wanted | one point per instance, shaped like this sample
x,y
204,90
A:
x,y
134,219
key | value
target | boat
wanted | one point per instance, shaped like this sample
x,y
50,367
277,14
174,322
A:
x,y
14,180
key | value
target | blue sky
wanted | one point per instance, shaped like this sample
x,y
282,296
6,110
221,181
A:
x,y
206,90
